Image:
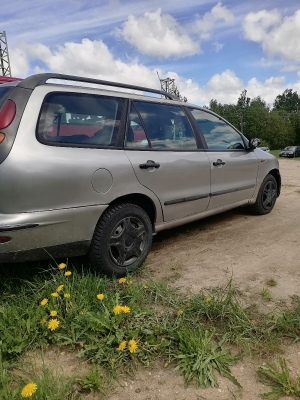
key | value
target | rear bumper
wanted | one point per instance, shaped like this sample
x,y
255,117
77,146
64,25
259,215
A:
x,y
66,232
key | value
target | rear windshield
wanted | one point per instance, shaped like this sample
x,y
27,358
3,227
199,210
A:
x,y
4,91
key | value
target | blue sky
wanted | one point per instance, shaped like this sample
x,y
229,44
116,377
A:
x,y
214,50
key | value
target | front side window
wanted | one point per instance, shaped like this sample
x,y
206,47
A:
x,y
166,127
217,133
87,120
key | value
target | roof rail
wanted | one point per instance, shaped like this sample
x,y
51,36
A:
x,y
39,79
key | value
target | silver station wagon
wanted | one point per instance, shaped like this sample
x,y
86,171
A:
x,y
86,168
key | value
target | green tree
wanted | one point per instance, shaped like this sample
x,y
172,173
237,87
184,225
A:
x,y
279,131
242,105
256,119
288,101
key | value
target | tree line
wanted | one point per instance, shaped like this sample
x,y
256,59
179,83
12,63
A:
x,y
276,127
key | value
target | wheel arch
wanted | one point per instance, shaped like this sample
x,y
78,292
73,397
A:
x,y
140,200
276,174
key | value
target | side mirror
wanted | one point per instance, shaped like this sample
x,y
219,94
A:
x,y
253,143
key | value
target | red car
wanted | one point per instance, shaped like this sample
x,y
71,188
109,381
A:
x,y
6,79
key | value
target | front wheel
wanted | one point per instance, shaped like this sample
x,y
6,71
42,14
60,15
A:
x,y
266,197
122,240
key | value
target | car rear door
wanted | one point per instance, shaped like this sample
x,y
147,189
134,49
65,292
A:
x,y
234,168
163,151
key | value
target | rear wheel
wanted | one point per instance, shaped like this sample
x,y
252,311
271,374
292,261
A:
x,y
122,240
266,197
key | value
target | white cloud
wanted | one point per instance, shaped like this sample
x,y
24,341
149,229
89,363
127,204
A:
x,y
290,68
93,59
278,36
224,81
19,62
88,59
158,35
256,25
218,46
217,14
226,88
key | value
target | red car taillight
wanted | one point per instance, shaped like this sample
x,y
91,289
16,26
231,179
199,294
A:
x,y
5,239
7,114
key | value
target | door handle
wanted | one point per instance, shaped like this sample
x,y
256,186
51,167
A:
x,y
218,162
149,164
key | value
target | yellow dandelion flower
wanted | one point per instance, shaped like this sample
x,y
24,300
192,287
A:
x,y
100,296
126,309
60,288
53,313
29,389
188,304
122,280
145,287
44,302
132,346
122,346
53,324
68,273
67,295
118,309
62,266
179,312
129,282
208,299
55,294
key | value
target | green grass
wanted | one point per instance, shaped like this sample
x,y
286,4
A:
x,y
119,325
275,153
271,282
266,294
279,379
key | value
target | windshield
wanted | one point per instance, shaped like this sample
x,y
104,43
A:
x,y
290,148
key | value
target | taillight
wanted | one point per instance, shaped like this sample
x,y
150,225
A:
x,y
7,114
5,239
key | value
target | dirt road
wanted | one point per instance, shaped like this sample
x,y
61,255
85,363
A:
x,y
207,253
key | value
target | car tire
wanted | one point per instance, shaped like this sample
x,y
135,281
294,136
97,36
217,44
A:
x,y
122,240
266,197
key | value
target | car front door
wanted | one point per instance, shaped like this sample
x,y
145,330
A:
x,y
163,151
234,168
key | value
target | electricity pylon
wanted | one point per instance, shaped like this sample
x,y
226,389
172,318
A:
x,y
4,57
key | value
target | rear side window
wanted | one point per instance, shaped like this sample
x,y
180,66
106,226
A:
x,y
80,119
167,127
4,91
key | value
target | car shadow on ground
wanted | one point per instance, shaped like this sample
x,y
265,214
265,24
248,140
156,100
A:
x,y
209,223
29,270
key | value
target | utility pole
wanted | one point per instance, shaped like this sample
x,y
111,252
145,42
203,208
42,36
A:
x,y
4,57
